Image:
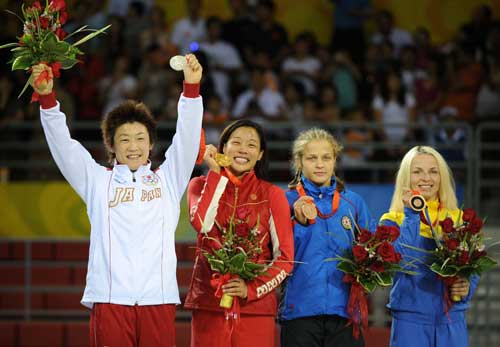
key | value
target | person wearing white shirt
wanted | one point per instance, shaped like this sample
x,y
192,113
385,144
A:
x,y
189,29
131,283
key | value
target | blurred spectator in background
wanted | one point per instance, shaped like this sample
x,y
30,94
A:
x,y
302,65
345,76
409,71
153,79
136,22
423,48
190,28
488,99
464,77
223,58
450,140
119,86
271,35
241,30
386,31
328,112
474,34
121,7
259,102
293,92
157,33
214,118
394,108
349,31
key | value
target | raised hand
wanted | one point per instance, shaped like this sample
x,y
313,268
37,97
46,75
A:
x,y
297,209
42,79
209,158
193,70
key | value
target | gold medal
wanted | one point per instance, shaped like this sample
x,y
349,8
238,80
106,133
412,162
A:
x,y
223,160
309,210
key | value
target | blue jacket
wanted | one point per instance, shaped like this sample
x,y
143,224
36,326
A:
x,y
419,298
315,286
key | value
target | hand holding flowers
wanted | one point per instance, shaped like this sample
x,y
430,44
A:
x,y
44,42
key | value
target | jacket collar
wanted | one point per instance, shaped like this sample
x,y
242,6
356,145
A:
x,y
123,172
246,179
316,191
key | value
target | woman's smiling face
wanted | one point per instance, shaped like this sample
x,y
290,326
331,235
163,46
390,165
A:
x,y
243,147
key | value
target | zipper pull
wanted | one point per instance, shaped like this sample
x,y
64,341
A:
x,y
133,176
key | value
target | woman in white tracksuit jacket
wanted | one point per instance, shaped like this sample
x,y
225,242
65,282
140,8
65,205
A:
x,y
133,211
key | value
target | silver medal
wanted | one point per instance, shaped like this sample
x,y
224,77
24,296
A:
x,y
178,62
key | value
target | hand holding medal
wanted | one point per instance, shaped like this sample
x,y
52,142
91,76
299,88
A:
x,y
305,210
215,160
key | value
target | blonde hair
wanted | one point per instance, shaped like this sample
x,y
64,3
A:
x,y
446,192
306,136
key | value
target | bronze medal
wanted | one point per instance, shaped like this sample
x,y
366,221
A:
x,y
309,211
417,202
223,160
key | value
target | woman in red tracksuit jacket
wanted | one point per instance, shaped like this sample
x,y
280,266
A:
x,y
239,191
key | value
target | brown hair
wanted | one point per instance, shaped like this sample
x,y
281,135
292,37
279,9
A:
x,y
128,112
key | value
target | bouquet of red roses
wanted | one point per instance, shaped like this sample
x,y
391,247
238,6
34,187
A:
x,y
371,262
460,250
234,253
43,41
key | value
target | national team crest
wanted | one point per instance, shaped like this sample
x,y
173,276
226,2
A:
x,y
346,223
150,180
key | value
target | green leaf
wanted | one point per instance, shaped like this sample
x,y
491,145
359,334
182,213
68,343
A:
x,y
369,285
346,267
448,271
236,262
485,263
383,278
91,36
8,45
21,63
28,82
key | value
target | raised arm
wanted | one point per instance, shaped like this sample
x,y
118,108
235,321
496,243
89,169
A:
x,y
181,156
74,161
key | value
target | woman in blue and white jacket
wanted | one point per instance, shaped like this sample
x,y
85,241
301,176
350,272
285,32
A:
x,y
313,309
133,211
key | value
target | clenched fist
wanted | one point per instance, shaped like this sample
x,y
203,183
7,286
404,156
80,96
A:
x,y
193,70
42,79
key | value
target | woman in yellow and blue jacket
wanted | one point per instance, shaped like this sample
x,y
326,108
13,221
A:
x,y
420,316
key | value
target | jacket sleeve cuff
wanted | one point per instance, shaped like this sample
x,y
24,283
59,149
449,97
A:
x,y
48,101
191,90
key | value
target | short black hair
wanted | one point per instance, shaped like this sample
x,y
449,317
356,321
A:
x,y
261,167
129,111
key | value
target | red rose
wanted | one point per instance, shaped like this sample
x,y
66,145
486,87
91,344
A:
x,y
364,236
37,5
468,214
242,230
463,258
452,244
478,254
360,253
377,266
386,251
382,233
63,18
242,213
57,5
44,22
447,225
394,233
475,225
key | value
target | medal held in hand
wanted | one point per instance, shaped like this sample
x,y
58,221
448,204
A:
x,y
178,62
309,210
417,201
222,160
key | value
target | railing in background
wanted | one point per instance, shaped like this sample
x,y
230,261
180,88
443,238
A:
x,y
24,153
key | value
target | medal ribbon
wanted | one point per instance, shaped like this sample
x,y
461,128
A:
x,y
335,201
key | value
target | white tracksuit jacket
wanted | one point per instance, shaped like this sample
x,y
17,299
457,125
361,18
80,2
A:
x,y
133,216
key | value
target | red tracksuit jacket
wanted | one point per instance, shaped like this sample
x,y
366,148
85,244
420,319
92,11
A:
x,y
216,198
